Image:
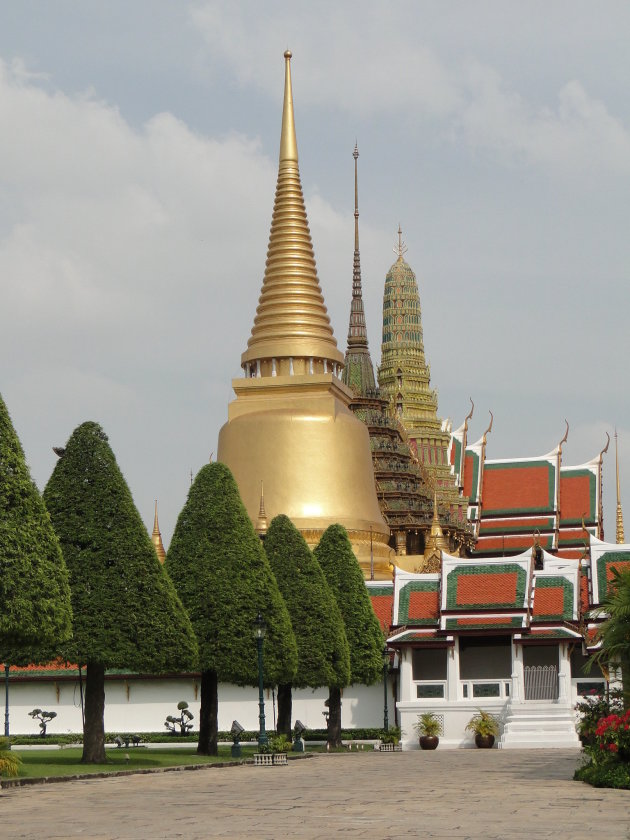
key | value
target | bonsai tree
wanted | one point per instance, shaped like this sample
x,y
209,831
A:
x,y
44,719
365,639
183,721
127,614
323,655
35,607
224,579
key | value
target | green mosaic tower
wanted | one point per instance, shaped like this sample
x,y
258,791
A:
x,y
405,379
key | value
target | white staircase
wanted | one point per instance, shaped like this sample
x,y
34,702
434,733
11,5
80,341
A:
x,y
538,724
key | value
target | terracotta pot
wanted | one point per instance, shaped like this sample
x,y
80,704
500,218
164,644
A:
x,y
429,742
484,742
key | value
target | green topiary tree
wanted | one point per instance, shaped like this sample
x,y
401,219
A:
x,y
365,638
323,655
224,580
127,614
34,594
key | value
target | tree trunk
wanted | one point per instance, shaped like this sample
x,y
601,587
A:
x,y
334,717
285,704
94,726
208,714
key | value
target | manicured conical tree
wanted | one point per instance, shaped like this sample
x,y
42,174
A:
x,y
224,579
365,638
127,613
323,654
34,594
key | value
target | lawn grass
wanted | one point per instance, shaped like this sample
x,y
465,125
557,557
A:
x,y
67,761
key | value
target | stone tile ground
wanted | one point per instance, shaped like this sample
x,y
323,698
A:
x,y
494,795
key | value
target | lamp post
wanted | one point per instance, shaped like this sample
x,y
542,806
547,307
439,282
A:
x,y
385,673
259,630
6,700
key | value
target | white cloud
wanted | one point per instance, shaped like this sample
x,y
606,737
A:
x,y
579,135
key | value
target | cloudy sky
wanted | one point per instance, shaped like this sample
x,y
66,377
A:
x,y
138,158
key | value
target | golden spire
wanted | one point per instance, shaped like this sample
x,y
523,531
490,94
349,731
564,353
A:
x,y
619,535
261,524
156,538
291,320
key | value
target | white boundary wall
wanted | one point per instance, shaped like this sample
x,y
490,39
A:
x,y
141,705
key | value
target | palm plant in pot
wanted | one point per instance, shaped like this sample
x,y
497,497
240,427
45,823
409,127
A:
x,y
485,728
428,727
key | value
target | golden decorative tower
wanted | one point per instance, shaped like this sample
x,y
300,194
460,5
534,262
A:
x,y
436,542
619,531
290,424
156,538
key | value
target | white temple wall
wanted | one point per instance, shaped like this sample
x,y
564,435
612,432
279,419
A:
x,y
142,705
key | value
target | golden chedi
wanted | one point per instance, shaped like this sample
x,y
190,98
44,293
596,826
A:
x,y
291,426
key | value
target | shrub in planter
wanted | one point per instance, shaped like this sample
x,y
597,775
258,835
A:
x,y
485,728
391,736
428,727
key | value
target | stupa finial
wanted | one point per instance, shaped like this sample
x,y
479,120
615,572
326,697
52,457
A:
x,y
401,247
288,139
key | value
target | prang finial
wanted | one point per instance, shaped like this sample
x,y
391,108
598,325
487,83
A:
x,y
401,247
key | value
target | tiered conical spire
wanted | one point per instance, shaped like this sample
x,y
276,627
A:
x,y
156,537
404,375
291,323
261,522
619,531
358,372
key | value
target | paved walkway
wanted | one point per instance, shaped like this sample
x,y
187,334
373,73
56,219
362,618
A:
x,y
449,794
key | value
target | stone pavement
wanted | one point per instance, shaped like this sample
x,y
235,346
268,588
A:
x,y
447,794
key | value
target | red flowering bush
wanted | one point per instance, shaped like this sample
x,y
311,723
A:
x,y
613,735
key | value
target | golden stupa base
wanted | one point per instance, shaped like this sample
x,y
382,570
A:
x,y
371,550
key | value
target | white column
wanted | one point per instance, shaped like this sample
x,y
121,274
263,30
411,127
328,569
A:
x,y
406,676
564,673
518,674
452,672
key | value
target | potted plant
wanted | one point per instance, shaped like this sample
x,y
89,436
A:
x,y
273,752
389,739
428,727
485,728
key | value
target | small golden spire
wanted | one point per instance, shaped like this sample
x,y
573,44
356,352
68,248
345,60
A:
x,y
620,538
156,537
261,523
